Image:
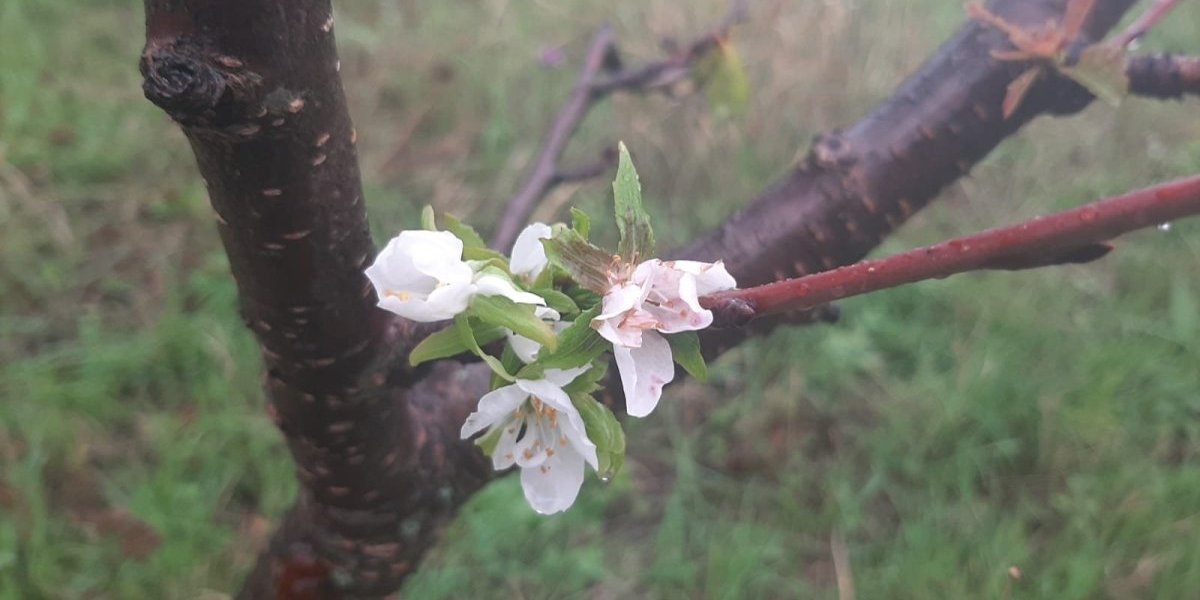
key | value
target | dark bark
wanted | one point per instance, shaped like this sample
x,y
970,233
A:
x,y
254,85
1164,76
856,186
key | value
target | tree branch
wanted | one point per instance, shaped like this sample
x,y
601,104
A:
x,y
256,90
590,88
1070,236
1157,12
1164,76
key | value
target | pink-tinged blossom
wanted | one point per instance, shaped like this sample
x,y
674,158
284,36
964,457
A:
x,y
658,297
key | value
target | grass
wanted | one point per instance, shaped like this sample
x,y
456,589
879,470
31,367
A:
x,y
1030,435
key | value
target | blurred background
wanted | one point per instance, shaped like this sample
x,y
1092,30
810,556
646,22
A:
x,y
1032,435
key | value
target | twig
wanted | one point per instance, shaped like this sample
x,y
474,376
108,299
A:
x,y
1066,236
590,88
542,177
1146,22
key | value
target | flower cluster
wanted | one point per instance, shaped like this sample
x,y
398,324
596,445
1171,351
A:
x,y
543,319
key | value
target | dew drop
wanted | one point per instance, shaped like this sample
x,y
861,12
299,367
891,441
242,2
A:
x,y
1164,227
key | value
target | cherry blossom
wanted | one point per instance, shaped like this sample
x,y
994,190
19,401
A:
x,y
420,275
542,433
658,297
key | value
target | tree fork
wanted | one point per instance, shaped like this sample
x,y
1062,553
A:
x,y
254,86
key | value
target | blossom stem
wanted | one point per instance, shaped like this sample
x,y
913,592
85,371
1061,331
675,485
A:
x,y
1071,236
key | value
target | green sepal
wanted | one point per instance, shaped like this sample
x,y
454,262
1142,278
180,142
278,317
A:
x,y
583,262
685,349
578,345
520,318
488,441
633,222
428,220
604,430
448,342
465,331
511,363
581,222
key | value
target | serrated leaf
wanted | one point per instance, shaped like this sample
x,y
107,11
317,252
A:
x,y
578,344
633,222
558,301
581,222
465,331
726,84
520,318
428,220
685,349
1101,69
583,262
604,430
447,343
464,232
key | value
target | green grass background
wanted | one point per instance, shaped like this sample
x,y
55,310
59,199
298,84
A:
x,y
1029,435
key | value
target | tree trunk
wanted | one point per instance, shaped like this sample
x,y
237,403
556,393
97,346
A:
x,y
254,85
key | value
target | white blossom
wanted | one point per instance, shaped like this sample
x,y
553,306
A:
x,y
420,275
528,254
657,297
527,349
542,433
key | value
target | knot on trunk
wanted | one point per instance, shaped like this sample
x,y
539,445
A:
x,y
181,83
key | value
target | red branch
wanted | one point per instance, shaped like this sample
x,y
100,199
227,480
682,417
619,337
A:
x,y
1068,236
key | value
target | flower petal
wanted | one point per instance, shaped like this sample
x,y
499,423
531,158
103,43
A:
x,y
552,486
494,407
504,455
644,372
528,254
437,254
710,277
494,285
562,377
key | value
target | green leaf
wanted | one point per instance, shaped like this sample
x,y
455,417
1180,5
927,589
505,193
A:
x,y
465,331
685,349
428,220
581,222
464,232
589,381
558,301
604,430
448,342
486,255
725,81
637,238
1101,69
585,263
498,310
578,344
